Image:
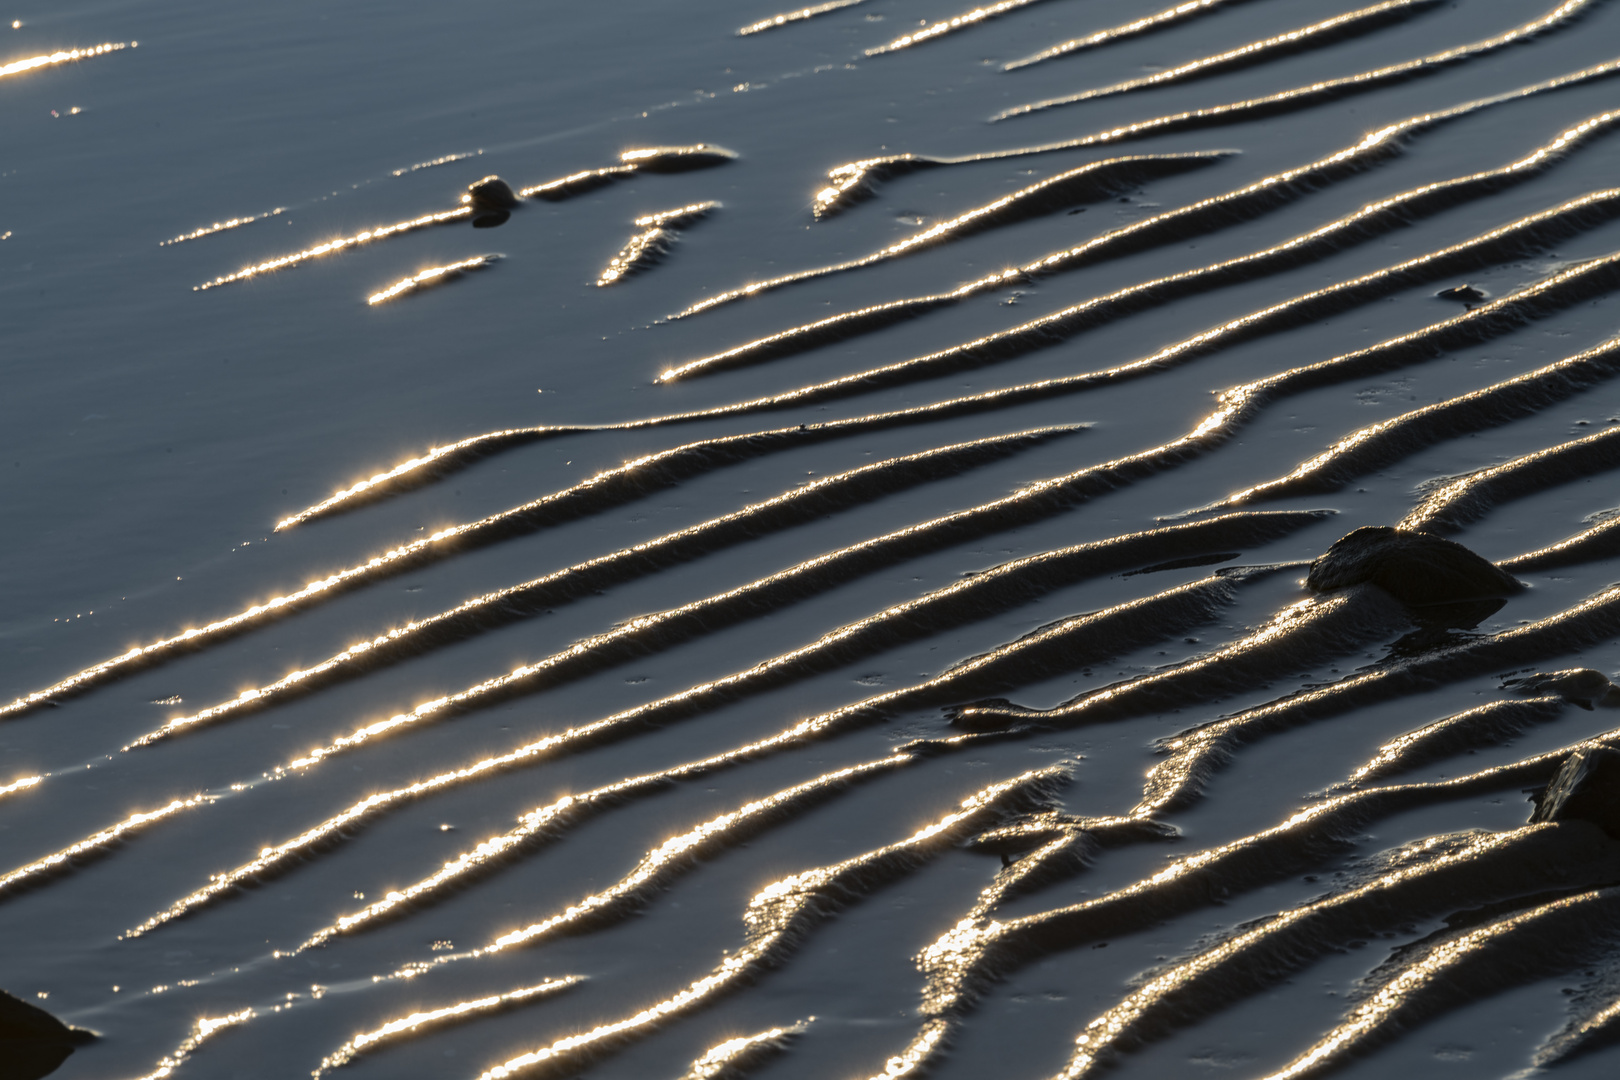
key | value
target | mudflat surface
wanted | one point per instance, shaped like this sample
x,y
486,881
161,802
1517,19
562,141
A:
x,y
589,742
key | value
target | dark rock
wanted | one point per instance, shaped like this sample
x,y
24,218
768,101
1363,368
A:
x,y
1465,293
1582,686
1416,568
490,194
1587,788
33,1043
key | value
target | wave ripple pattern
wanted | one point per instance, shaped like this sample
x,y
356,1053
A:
x,y
993,601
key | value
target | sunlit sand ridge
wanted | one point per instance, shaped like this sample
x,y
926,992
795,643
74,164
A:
x,y
434,275
66,56
645,248
796,16
954,23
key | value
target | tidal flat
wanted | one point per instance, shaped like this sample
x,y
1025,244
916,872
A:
x,y
877,636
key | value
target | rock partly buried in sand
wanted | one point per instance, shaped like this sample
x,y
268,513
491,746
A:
x,y
491,193
492,202
1587,788
1416,568
1582,686
1467,294
33,1043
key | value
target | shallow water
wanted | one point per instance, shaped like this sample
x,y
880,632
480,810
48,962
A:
x,y
743,657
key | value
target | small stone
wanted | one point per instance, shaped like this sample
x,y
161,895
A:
x,y
1587,788
490,194
1417,568
1466,294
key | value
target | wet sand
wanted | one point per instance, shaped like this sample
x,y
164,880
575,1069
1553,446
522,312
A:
x,y
870,638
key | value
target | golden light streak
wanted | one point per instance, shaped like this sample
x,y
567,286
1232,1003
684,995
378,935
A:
x,y
382,232
562,184
17,67
659,231
433,276
678,216
645,158
128,827
1151,22
796,16
724,1060
445,160
221,226
957,22
433,454
200,1032
917,1054
416,1023
1591,1031
676,155
19,785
